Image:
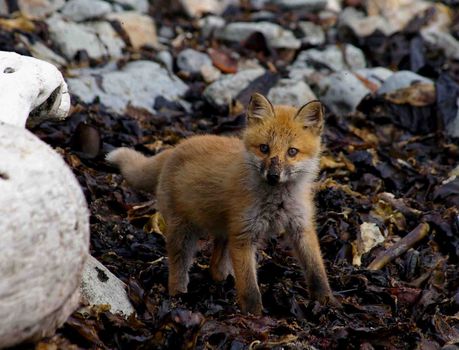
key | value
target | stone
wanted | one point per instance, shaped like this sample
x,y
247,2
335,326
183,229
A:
x,y
71,38
83,10
39,9
43,52
291,92
109,38
368,237
376,75
276,36
139,83
442,40
313,34
101,287
333,58
362,25
136,5
305,5
140,29
210,24
27,83
344,92
165,57
192,61
401,79
4,11
197,8
45,237
210,74
223,91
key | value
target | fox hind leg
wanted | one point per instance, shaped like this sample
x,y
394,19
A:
x,y
181,244
220,262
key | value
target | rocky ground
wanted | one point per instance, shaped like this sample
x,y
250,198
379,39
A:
x,y
147,74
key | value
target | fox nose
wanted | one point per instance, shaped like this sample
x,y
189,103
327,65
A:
x,y
273,179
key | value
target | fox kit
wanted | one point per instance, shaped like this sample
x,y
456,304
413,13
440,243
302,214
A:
x,y
239,191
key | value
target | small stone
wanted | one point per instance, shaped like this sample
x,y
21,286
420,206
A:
x,y
333,58
165,57
376,75
197,8
291,92
222,92
313,34
4,11
99,287
113,44
276,36
210,24
39,9
136,5
192,61
344,93
82,10
210,74
442,40
305,5
362,25
42,52
139,83
401,79
140,29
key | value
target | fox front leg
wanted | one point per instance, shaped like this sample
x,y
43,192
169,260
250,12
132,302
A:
x,y
306,247
242,253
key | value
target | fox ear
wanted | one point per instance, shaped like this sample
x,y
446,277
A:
x,y
259,108
312,116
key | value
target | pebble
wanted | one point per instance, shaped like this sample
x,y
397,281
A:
x,y
192,61
313,34
82,10
305,5
401,79
291,92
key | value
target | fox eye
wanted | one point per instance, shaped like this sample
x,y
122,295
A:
x,y
292,152
264,148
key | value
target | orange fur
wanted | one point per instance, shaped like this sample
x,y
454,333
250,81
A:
x,y
230,189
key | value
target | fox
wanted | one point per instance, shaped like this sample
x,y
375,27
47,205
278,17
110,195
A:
x,y
237,191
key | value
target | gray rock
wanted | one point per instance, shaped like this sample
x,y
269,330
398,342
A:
x,y
42,52
165,57
139,83
276,36
306,5
192,61
344,93
376,75
82,10
442,40
332,58
210,24
401,79
224,90
210,74
4,11
99,286
363,25
136,5
39,9
313,34
72,37
291,92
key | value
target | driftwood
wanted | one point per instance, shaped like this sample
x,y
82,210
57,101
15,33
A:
x,y
400,247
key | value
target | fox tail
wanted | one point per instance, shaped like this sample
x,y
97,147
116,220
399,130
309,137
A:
x,y
141,172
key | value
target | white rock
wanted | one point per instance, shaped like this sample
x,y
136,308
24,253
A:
x,y
344,93
72,37
82,10
109,38
39,9
224,90
210,74
138,83
210,24
368,237
276,36
401,79
192,61
45,237
26,84
291,92
442,40
99,286
313,34
43,52
137,5
197,8
363,25
333,58
165,57
376,75
306,5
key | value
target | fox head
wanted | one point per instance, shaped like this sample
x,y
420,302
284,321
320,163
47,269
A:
x,y
282,142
